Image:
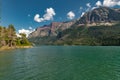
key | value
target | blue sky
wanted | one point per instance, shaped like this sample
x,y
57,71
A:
x,y
21,13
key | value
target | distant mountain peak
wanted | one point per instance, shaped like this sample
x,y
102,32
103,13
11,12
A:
x,y
101,14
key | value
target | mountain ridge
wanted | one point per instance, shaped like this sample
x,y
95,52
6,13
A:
x,y
63,32
51,28
101,14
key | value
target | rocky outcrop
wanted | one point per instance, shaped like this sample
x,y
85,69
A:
x,y
51,30
102,14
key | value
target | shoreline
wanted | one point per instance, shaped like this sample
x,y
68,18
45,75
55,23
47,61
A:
x,y
3,48
17,47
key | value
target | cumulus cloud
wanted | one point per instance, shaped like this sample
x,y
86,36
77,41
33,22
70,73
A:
x,y
111,3
98,3
38,19
49,13
70,15
119,3
108,3
25,31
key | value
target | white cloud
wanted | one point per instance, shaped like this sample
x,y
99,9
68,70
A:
x,y
82,14
111,3
98,3
49,14
119,3
46,17
70,15
26,31
38,19
88,5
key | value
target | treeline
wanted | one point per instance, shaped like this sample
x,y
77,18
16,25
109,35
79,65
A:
x,y
81,35
99,35
9,38
95,35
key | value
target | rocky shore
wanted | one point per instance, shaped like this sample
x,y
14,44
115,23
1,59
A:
x,y
14,47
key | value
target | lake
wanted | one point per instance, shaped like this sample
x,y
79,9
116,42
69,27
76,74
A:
x,y
61,63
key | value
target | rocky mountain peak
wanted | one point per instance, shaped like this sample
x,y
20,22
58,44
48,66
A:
x,y
101,14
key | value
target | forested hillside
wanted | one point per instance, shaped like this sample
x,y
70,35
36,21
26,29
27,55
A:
x,y
93,35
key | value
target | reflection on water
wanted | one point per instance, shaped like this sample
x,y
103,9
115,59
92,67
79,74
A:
x,y
61,63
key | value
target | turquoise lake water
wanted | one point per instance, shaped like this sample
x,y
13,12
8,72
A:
x,y
61,63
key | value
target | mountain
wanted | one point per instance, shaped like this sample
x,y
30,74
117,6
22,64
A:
x,y
51,29
100,26
101,35
101,14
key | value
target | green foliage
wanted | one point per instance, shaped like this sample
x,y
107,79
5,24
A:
x,y
95,35
8,37
23,35
23,41
11,27
84,35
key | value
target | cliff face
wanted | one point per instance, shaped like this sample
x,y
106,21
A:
x,y
51,30
102,14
